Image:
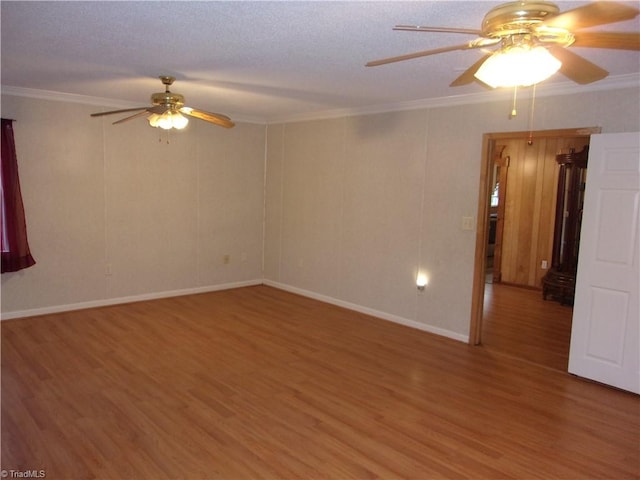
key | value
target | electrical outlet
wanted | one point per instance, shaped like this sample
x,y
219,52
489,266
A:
x,y
467,223
544,265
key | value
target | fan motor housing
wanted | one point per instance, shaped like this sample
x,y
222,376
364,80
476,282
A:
x,y
516,17
167,98
523,23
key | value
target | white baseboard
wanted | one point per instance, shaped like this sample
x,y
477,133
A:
x,y
369,311
130,299
226,286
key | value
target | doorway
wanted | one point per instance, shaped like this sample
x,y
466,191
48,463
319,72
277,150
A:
x,y
523,269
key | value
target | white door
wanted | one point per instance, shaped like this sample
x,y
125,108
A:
x,y
605,335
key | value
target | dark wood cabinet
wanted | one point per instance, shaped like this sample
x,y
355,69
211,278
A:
x,y
559,282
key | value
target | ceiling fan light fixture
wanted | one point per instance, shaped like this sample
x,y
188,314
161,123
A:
x,y
178,121
518,66
167,111
168,120
153,119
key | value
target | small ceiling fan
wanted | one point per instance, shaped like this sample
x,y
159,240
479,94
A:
x,y
540,26
168,111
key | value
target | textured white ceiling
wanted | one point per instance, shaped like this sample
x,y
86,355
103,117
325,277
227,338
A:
x,y
260,61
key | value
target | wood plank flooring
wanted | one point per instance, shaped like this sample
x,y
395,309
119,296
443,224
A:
x,y
260,383
519,323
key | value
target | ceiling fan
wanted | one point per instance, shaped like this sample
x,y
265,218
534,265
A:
x,y
525,26
168,111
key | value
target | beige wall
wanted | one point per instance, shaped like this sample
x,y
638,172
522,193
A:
x,y
355,206
162,216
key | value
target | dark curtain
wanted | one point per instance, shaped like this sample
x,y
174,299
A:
x,y
15,249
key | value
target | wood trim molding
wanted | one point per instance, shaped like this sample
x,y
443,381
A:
x,y
482,232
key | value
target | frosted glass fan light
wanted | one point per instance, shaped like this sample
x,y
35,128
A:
x,y
178,120
153,119
168,120
518,66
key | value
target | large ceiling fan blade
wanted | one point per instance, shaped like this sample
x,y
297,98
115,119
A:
x,y
100,114
424,53
591,15
420,28
577,68
131,117
468,75
612,40
216,118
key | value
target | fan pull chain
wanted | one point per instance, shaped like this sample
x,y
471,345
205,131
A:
x,y
515,97
160,135
531,112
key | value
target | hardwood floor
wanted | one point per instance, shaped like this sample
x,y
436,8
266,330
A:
x,y
261,383
519,323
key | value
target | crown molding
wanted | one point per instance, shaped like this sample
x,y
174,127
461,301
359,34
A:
x,y
65,97
542,90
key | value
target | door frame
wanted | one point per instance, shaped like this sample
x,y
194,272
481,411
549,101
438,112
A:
x,y
503,162
484,201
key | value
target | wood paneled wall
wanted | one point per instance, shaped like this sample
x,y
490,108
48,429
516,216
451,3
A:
x,y
530,205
